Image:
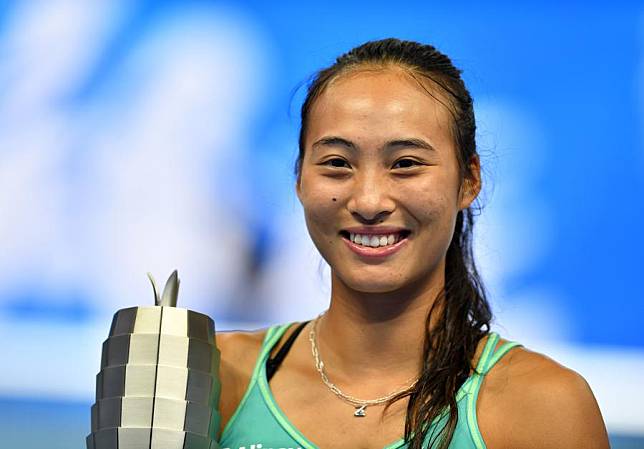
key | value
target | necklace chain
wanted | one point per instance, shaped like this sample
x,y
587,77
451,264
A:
x,y
359,404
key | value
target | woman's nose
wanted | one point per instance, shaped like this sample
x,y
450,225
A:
x,y
370,199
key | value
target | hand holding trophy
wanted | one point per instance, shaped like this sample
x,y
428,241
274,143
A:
x,y
158,387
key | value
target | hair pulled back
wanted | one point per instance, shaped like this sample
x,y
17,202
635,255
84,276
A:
x,y
464,312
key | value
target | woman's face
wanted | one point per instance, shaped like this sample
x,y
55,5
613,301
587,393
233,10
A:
x,y
380,162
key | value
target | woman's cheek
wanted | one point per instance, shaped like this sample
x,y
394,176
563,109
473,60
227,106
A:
x,y
320,204
321,234
321,213
430,199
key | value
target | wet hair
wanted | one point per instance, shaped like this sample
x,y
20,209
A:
x,y
463,313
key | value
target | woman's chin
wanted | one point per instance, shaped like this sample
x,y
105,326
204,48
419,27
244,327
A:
x,y
366,285
380,281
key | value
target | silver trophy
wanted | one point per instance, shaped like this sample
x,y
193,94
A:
x,y
158,387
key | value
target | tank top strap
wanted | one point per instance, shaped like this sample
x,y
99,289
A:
x,y
489,357
486,354
273,334
496,355
271,331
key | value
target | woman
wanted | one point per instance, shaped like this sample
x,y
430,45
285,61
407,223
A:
x,y
388,175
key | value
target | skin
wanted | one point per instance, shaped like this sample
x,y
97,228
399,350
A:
x,y
379,152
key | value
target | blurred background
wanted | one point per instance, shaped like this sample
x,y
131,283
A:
x,y
144,136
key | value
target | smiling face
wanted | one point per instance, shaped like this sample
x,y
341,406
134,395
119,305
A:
x,y
380,167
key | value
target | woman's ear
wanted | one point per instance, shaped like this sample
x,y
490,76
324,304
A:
x,y
471,186
298,187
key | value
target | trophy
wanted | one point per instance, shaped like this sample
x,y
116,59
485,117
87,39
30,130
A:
x,y
158,387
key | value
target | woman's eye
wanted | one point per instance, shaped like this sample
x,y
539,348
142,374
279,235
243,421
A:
x,y
336,162
405,163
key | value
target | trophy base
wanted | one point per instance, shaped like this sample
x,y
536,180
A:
x,y
146,438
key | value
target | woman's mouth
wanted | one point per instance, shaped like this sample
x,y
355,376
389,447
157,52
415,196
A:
x,y
375,240
375,245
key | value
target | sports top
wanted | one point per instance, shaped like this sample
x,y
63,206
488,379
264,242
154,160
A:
x,y
259,423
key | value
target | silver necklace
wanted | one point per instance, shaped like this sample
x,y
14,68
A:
x,y
360,405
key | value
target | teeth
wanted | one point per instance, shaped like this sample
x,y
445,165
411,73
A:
x,y
374,241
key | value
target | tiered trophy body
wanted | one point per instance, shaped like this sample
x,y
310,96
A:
x,y
158,387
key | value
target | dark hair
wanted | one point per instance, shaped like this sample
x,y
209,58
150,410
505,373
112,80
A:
x,y
464,312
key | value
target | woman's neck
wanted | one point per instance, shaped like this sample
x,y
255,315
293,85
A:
x,y
376,334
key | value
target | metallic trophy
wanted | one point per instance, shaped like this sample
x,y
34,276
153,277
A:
x,y
158,387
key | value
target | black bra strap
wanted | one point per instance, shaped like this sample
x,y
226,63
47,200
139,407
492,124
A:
x,y
272,364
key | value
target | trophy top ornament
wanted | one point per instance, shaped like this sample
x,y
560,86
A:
x,y
170,291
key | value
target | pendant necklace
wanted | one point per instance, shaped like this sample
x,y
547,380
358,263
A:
x,y
360,405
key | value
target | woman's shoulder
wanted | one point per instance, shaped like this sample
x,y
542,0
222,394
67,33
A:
x,y
241,348
235,344
239,352
523,372
239,355
529,400
528,374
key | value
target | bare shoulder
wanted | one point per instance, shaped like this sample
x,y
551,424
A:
x,y
237,347
239,352
530,401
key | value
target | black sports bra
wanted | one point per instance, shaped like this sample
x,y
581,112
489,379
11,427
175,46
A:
x,y
273,363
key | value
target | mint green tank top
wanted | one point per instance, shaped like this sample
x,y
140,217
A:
x,y
259,423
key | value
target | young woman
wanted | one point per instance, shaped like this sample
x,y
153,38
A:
x,y
388,175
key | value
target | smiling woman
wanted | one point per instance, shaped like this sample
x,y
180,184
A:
x,y
388,175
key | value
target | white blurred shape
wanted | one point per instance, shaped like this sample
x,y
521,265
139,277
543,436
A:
x,y
48,48
193,83
514,232
296,282
534,316
515,221
149,176
31,202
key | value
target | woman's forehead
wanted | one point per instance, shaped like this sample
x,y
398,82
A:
x,y
385,102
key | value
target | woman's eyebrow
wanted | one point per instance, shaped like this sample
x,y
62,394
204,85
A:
x,y
391,145
334,141
409,143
